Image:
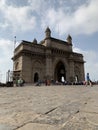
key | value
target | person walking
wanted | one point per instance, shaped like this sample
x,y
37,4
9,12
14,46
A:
x,y
88,81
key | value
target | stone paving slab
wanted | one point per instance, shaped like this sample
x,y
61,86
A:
x,y
5,127
49,108
35,126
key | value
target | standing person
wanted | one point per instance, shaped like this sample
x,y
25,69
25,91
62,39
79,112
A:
x,y
62,79
20,82
88,82
76,80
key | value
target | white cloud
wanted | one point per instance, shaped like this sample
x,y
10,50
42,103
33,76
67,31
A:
x,y
91,64
57,14
82,21
6,53
36,4
2,3
6,46
86,18
17,18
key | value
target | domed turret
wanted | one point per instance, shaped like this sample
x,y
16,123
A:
x,y
48,32
35,41
69,39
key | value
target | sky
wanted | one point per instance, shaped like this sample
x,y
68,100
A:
x,y
28,19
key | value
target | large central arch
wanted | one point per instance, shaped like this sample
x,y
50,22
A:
x,y
59,71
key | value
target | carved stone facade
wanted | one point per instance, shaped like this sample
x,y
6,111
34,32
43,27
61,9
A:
x,y
50,59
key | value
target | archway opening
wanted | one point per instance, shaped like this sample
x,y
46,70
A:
x,y
60,72
77,73
36,77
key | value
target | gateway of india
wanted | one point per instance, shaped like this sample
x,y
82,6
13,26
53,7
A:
x,y
50,59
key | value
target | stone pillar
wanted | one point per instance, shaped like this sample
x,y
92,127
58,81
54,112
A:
x,y
27,69
82,72
48,65
71,69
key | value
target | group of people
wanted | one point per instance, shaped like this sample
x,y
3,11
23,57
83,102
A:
x,y
19,82
87,82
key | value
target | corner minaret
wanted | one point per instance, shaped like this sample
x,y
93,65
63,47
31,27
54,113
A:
x,y
48,32
35,41
69,39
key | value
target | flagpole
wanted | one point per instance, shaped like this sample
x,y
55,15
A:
x,y
14,51
14,42
13,57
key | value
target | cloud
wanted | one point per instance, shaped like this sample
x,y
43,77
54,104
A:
x,y
36,4
83,20
66,16
91,64
6,53
17,18
86,18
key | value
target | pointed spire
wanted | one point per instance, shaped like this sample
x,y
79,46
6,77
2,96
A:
x,y
48,32
35,41
69,39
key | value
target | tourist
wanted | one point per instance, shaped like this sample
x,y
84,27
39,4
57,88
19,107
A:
x,y
20,82
76,80
88,81
62,79
46,82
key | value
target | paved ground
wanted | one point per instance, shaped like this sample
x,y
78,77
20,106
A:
x,y
49,108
